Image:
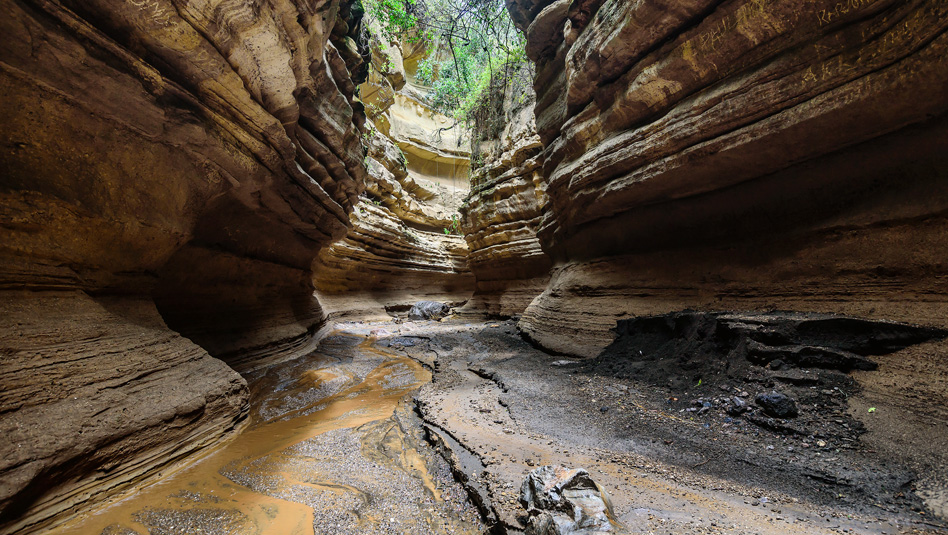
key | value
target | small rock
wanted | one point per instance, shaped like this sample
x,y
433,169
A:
x,y
560,500
777,405
736,406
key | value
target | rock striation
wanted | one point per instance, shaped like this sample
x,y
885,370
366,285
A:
x,y
738,155
170,172
405,245
502,212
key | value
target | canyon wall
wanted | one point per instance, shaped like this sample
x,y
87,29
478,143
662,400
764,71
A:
x,y
170,170
738,155
405,244
500,217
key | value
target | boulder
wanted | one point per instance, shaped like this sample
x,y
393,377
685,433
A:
x,y
500,217
777,405
428,310
562,500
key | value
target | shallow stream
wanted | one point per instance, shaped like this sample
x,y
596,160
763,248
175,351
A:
x,y
333,446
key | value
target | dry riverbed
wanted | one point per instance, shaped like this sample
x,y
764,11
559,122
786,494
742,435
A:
x,y
669,466
430,427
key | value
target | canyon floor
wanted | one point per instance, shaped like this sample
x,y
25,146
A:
x,y
430,427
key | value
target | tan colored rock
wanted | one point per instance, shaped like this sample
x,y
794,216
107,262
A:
x,y
98,393
404,245
503,210
199,155
383,263
437,147
410,197
741,155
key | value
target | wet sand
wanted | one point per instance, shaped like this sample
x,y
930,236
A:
x,y
332,447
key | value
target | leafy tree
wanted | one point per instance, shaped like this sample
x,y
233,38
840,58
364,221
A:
x,y
397,18
470,42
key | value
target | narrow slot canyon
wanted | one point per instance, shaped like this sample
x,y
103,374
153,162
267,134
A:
x,y
473,267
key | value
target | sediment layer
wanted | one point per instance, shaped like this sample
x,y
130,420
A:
x,y
405,244
195,157
502,212
735,155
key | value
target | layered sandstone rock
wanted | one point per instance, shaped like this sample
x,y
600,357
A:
x,y
739,155
404,245
192,156
383,264
507,191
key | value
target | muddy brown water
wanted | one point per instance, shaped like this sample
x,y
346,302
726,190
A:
x,y
332,447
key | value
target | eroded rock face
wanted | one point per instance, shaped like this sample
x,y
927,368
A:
x,y
404,245
200,155
507,192
738,156
384,263
96,393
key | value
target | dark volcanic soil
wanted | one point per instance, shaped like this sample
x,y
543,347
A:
x,y
718,369
650,420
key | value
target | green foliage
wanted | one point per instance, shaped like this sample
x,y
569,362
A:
x,y
397,18
470,41
473,40
454,227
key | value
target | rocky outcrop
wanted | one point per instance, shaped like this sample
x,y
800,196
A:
x,y
501,215
404,245
98,393
383,264
193,157
738,155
